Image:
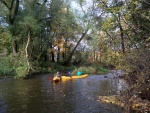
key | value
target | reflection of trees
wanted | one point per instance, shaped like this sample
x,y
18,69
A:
x,y
118,84
62,96
20,95
106,87
101,87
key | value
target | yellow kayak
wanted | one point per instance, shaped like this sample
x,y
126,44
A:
x,y
73,77
56,79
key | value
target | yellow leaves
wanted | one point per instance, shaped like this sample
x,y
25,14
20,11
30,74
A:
x,y
104,1
102,33
59,42
60,45
135,106
111,99
63,10
106,25
135,2
62,50
109,22
148,39
100,5
51,50
4,38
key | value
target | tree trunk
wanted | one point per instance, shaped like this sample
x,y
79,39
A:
x,y
51,47
58,55
13,11
26,49
121,34
52,55
14,47
72,53
65,52
122,39
94,55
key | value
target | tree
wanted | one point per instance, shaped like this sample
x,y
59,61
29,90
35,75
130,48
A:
x,y
12,10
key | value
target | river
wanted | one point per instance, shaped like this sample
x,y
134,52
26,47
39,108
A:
x,y
41,95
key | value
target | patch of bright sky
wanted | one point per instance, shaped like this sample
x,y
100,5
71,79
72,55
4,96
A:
x,y
86,5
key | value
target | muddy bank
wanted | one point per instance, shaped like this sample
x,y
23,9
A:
x,y
136,104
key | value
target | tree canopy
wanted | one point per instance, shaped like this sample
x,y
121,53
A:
x,y
113,34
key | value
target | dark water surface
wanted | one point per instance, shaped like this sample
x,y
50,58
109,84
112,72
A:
x,y
41,95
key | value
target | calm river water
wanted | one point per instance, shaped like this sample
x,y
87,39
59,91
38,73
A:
x,y
41,95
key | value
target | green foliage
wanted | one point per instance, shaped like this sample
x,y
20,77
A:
x,y
30,24
42,70
58,67
5,38
88,70
101,70
21,71
6,68
13,66
20,65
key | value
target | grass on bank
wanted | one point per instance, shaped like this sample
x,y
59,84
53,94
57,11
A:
x,y
9,66
90,70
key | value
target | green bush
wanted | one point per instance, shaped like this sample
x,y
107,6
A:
x,y
13,66
88,70
21,71
54,67
6,68
103,70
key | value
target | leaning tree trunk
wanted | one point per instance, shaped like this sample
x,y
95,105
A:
x,y
121,34
122,39
72,53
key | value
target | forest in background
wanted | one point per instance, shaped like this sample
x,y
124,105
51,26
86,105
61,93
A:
x,y
48,35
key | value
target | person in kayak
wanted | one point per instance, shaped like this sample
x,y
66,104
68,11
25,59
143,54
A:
x,y
57,75
79,73
69,74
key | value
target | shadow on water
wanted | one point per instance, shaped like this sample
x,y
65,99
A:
x,y
41,95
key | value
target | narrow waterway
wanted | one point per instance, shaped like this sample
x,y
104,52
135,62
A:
x,y
41,95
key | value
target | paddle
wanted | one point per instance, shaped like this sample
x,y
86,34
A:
x,y
50,78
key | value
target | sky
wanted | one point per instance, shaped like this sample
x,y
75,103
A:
x,y
76,5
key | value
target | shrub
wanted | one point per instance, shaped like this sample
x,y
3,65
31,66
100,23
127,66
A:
x,y
6,69
88,70
103,70
21,71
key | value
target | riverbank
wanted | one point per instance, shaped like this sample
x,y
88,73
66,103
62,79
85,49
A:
x,y
54,68
135,104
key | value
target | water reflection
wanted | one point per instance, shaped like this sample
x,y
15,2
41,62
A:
x,y
41,95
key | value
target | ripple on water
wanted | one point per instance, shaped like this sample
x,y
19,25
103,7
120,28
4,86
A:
x,y
74,96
